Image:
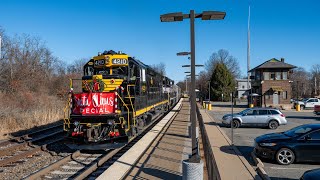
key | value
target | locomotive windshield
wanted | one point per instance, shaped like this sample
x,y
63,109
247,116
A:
x,y
121,70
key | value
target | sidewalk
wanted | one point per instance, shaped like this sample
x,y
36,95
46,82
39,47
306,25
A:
x,y
163,159
231,164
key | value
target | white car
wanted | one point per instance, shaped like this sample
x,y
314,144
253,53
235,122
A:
x,y
269,117
307,103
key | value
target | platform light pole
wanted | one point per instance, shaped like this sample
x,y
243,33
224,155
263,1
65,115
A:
x,y
209,91
0,45
206,15
187,81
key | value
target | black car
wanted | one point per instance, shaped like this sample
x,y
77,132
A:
x,y
301,143
311,175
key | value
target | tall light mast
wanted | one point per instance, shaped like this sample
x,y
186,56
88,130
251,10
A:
x,y
0,45
248,56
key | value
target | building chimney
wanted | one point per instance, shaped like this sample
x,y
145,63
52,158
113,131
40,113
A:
x,y
282,59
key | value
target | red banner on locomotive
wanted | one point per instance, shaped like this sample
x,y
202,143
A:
x,y
94,103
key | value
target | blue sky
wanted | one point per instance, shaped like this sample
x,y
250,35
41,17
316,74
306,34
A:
x,y
75,29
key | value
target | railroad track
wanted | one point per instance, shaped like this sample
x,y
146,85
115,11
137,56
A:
x,y
28,146
81,165
30,136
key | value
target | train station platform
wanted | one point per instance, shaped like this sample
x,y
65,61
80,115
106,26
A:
x,y
229,161
169,144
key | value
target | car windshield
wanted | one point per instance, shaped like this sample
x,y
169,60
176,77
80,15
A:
x,y
244,111
297,131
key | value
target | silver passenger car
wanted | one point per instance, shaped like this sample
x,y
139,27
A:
x,y
269,117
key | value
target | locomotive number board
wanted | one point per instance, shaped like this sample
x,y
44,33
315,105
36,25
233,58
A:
x,y
100,62
119,61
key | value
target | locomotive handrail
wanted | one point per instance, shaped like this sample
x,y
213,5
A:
x,y
127,109
133,111
67,111
66,118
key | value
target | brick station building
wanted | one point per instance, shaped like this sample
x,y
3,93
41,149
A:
x,y
271,84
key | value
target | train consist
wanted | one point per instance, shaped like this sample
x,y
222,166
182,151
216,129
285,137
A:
x,y
116,98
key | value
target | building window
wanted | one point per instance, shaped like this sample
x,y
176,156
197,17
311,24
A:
x,y
242,87
272,76
284,95
278,75
284,75
267,96
258,75
266,75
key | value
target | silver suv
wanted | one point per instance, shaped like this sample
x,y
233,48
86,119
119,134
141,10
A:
x,y
256,116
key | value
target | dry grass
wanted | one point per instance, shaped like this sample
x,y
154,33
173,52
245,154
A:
x,y
27,110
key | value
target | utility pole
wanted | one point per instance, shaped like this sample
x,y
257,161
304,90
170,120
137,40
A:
x,y
186,84
209,91
315,86
248,57
0,45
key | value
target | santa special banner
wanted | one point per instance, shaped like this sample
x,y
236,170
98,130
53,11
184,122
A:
x,y
94,103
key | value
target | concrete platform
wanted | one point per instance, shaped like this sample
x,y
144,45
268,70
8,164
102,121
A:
x,y
128,162
163,159
230,163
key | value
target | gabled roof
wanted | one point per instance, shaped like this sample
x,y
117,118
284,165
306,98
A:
x,y
274,64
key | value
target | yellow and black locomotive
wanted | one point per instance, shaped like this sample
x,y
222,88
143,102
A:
x,y
117,97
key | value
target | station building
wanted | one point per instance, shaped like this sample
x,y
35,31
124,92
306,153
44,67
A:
x,y
271,84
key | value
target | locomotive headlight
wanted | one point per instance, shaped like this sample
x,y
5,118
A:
x,y
76,123
110,122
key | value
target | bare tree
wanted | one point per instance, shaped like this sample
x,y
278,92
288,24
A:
x,y
315,74
202,82
182,85
223,56
159,68
76,68
301,83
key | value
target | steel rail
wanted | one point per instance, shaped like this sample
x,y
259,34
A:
x,y
53,166
6,151
27,153
25,137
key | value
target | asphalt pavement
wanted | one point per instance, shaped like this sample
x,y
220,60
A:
x,y
244,138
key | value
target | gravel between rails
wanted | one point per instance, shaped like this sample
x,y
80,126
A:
x,y
32,163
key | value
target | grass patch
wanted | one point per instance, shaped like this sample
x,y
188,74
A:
x,y
28,110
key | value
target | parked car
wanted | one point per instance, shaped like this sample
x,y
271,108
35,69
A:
x,y
316,110
293,100
301,143
311,175
269,117
307,103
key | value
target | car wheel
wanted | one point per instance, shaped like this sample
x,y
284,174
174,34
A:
x,y
285,156
273,124
302,107
235,124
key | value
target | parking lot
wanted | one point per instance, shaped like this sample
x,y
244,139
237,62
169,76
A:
x,y
244,138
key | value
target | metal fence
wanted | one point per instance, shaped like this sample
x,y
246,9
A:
x,y
212,168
